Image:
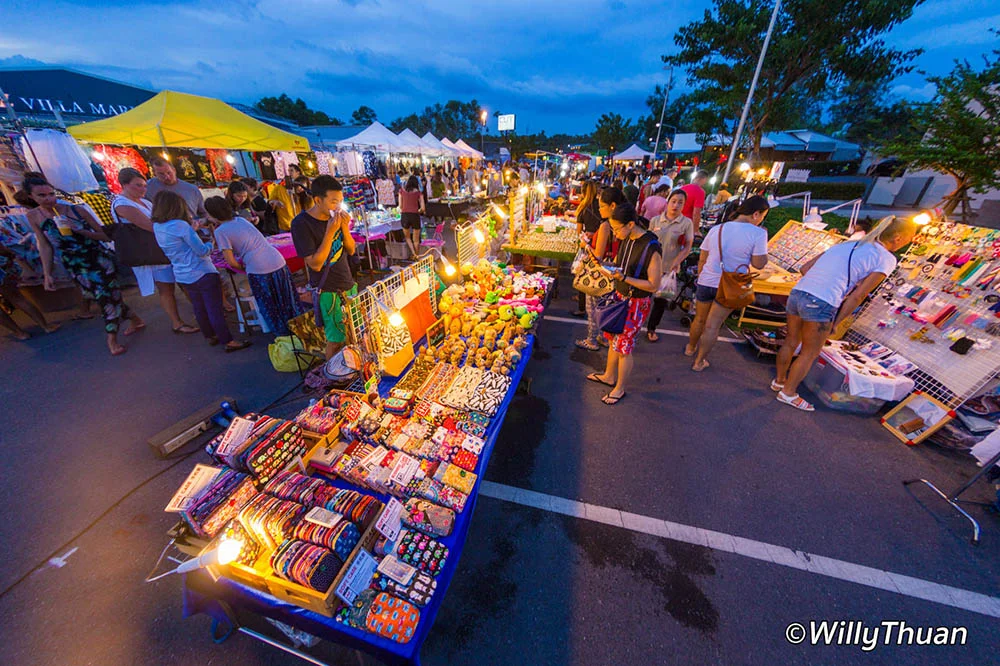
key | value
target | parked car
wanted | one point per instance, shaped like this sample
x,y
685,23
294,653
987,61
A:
x,y
890,166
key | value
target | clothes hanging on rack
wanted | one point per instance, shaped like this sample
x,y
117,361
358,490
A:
x,y
117,158
386,191
221,168
323,165
60,158
267,166
371,164
350,163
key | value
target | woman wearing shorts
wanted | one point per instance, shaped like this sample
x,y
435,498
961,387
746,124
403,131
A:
x,y
638,255
832,287
411,205
743,244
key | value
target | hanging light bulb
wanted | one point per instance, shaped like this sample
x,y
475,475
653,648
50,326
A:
x,y
922,219
99,156
230,159
165,155
499,211
396,319
744,167
449,268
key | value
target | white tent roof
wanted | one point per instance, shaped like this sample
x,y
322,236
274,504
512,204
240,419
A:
x,y
472,152
414,144
633,152
433,142
376,136
450,145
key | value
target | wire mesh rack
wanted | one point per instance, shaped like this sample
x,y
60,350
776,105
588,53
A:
x,y
518,220
925,282
363,311
469,251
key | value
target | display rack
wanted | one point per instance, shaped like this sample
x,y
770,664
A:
x,y
469,251
518,219
970,289
787,252
363,310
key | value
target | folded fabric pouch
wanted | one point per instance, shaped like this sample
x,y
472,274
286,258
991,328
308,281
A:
x,y
427,517
456,477
421,551
490,393
392,618
418,592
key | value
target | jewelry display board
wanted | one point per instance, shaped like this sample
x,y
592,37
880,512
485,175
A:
x,y
938,311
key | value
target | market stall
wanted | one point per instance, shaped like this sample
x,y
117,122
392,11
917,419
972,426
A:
x,y
347,522
551,238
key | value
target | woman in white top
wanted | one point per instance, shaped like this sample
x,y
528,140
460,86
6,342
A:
x,y
131,208
744,244
833,285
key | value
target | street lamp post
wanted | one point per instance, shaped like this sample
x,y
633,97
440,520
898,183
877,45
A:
x,y
663,110
482,131
753,87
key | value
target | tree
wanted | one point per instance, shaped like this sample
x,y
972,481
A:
x,y
364,115
816,45
958,132
451,119
296,111
613,132
863,112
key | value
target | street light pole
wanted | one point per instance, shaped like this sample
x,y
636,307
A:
x,y
482,131
663,110
753,87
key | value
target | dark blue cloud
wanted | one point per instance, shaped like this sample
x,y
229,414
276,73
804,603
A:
x,y
557,65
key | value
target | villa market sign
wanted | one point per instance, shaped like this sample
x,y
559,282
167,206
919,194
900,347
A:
x,y
38,104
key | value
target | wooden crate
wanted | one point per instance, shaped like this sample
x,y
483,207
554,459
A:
x,y
255,576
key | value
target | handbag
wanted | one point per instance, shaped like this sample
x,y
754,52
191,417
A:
x,y
611,310
591,280
735,288
134,246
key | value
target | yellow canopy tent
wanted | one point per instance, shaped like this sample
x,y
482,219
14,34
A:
x,y
178,120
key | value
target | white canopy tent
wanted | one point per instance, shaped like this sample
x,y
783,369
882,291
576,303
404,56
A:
x,y
376,136
470,151
414,144
633,152
435,143
453,149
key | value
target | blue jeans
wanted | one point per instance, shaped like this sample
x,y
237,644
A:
x,y
809,308
704,294
206,300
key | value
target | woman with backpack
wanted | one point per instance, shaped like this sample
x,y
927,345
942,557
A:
x,y
732,246
833,285
636,278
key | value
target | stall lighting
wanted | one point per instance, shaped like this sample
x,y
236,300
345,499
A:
x,y
449,268
478,234
499,211
711,181
744,167
165,155
761,171
230,159
99,156
227,551
395,318
309,164
344,207
540,187
922,219
523,189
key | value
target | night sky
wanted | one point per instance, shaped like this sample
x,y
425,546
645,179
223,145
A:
x,y
557,65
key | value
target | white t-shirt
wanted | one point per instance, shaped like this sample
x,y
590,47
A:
x,y
740,241
827,280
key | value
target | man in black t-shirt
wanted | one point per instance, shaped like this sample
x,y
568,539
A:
x,y
322,237
630,191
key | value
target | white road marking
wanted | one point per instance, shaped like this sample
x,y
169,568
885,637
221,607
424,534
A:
x,y
60,562
661,331
758,550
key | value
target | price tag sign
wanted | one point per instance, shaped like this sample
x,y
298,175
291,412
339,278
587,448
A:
x,y
401,572
389,524
404,469
196,482
323,517
236,434
358,577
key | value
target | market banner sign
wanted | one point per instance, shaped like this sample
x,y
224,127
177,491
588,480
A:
x,y
41,92
505,123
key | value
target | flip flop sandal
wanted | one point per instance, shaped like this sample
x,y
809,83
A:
x,y
795,401
611,400
242,345
594,377
652,337
180,330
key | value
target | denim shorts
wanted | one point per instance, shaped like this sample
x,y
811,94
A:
x,y
705,294
809,308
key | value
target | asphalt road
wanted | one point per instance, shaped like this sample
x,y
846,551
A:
x,y
712,451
